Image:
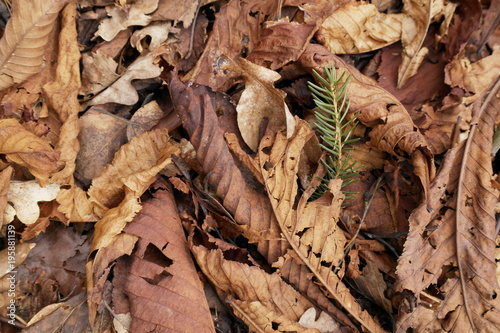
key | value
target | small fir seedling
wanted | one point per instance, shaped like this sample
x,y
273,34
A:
x,y
332,106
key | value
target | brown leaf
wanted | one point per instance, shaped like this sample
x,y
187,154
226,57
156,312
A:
x,y
134,167
26,149
160,276
260,100
26,35
359,27
248,289
238,191
101,136
310,228
71,315
62,94
372,285
9,258
5,176
99,72
144,119
458,256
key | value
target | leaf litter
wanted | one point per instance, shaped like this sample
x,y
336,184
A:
x,y
158,161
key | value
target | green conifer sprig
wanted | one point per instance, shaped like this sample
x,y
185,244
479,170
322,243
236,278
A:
x,y
332,106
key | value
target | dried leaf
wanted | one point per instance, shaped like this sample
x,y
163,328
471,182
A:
x,y
71,315
310,228
160,276
144,119
323,322
371,283
24,196
99,72
120,18
122,91
23,44
179,10
13,255
5,176
359,27
240,193
26,149
260,100
157,32
62,94
248,288
457,257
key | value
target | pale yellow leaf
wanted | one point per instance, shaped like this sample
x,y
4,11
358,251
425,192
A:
x,y
324,323
14,254
26,35
136,13
122,91
24,197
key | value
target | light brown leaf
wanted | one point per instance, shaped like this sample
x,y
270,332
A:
x,y
457,257
136,13
178,10
23,44
144,119
259,100
62,94
134,167
310,228
99,72
122,91
5,176
26,149
323,322
156,32
13,255
248,289
372,285
359,27
160,276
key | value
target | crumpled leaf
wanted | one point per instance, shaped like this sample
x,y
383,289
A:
x,y
62,94
23,43
26,149
122,91
156,31
372,285
310,227
160,275
135,165
135,13
10,259
24,197
257,297
457,257
475,77
259,100
359,27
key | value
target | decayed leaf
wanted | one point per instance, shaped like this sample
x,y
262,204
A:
x,y
240,193
475,77
24,196
259,100
156,31
26,149
359,27
179,10
134,167
144,119
122,91
371,283
310,228
101,135
458,256
120,18
62,94
4,188
26,35
257,297
160,276
75,204
65,316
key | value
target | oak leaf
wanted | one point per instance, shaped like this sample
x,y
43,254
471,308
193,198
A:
x,y
23,43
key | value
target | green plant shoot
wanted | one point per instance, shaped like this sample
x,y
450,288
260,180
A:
x,y
332,106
